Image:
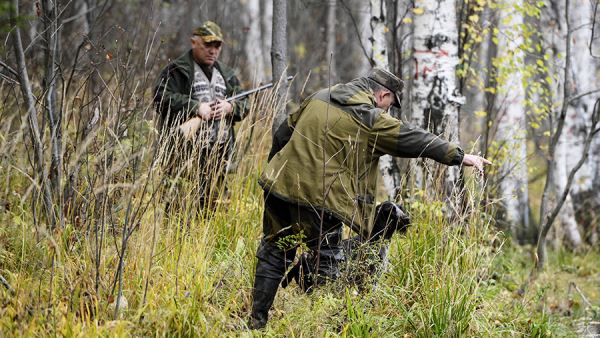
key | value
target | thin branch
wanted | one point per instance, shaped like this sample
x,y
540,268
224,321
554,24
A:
x,y
10,70
578,96
78,15
362,46
593,30
32,115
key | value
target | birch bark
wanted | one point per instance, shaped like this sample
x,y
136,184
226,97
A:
x,y
435,97
256,63
388,168
510,105
279,59
554,33
586,187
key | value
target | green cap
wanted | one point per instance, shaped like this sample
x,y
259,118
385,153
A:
x,y
209,32
389,81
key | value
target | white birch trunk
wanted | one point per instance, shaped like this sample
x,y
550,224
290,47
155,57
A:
x,y
387,167
510,105
566,217
256,63
365,28
554,31
435,98
266,19
279,59
586,187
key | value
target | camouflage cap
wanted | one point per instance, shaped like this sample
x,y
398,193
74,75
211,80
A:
x,y
209,32
389,81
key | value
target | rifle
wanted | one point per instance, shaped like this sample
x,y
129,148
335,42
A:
x,y
189,127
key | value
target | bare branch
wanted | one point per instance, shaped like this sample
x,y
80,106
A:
x,y
362,46
10,70
32,115
578,96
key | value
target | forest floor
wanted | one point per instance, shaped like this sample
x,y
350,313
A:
x,y
200,285
563,301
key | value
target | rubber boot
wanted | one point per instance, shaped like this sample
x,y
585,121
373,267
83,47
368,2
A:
x,y
270,268
263,295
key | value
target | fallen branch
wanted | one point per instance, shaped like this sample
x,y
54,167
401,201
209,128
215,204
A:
x,y
585,300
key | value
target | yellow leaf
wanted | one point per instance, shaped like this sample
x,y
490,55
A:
x,y
300,50
407,20
418,11
474,18
480,113
535,125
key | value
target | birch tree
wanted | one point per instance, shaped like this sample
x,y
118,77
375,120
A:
x,y
252,41
512,124
279,59
266,23
379,56
554,34
54,114
583,82
435,97
39,164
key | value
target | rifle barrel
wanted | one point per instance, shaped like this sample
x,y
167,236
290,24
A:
x,y
252,91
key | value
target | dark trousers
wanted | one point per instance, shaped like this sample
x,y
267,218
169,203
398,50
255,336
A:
x,y
285,227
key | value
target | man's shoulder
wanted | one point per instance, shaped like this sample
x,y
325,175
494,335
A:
x,y
182,63
353,98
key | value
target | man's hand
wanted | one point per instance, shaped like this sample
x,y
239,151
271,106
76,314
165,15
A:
x,y
476,161
220,109
204,111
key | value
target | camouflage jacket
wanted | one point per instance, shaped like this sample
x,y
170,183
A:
x,y
327,155
172,94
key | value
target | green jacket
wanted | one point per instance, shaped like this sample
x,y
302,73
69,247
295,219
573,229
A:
x,y
172,94
327,156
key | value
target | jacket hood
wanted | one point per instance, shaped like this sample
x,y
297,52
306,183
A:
x,y
354,97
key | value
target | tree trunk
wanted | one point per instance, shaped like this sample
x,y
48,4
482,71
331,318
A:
x,y
435,97
256,63
279,59
387,166
36,140
330,53
54,114
512,125
553,30
586,187
266,10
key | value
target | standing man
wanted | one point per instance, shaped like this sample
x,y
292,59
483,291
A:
x,y
195,85
322,173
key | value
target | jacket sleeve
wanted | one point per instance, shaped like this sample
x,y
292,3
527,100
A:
x,y
169,97
392,136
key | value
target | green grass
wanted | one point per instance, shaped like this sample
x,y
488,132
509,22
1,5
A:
x,y
187,274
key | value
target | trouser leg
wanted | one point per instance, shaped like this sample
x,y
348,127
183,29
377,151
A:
x,y
328,255
270,268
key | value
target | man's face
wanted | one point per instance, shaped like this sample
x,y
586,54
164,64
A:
x,y
205,53
384,99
